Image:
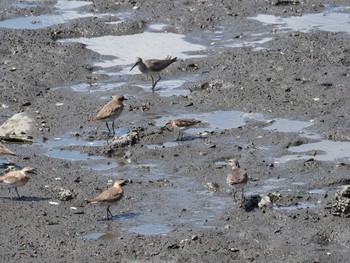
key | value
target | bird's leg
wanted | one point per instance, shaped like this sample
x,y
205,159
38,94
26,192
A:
x,y
234,196
178,136
113,128
243,197
157,80
153,84
19,197
109,130
109,213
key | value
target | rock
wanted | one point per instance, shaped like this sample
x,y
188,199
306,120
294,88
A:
x,y
342,205
130,138
18,124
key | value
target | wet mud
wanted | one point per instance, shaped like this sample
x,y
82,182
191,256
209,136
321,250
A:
x,y
269,83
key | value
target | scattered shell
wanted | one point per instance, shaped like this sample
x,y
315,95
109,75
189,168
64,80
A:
x,y
53,203
65,194
265,202
212,186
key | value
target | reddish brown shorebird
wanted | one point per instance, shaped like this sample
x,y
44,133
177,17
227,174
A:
x,y
181,125
17,178
111,111
110,197
237,178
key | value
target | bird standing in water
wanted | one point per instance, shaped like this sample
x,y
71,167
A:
x,y
153,67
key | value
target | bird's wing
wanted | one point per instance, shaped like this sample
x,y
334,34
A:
x,y
108,110
10,177
108,196
158,65
236,176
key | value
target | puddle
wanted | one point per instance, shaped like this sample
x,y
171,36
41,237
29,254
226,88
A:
x,y
295,206
332,20
325,151
170,87
150,229
53,148
123,50
126,48
66,11
67,141
269,186
254,41
72,155
317,191
99,236
105,166
285,125
22,5
213,121
167,86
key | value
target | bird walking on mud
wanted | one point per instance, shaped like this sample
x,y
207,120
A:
x,y
153,67
111,111
4,150
17,178
237,178
181,125
109,197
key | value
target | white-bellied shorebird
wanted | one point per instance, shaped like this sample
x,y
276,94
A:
x,y
153,67
110,197
181,125
17,178
237,178
111,111
4,150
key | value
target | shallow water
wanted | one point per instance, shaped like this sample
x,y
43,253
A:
x,y
324,150
285,125
65,12
126,48
333,19
212,121
150,229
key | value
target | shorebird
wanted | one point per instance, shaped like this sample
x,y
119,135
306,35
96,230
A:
x,y
181,125
237,178
17,178
4,150
152,67
111,111
110,197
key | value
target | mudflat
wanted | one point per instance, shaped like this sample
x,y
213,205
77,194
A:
x,y
270,88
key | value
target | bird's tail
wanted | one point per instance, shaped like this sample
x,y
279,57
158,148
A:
x,y
172,60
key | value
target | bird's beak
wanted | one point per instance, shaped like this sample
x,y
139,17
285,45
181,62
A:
x,y
134,66
34,171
